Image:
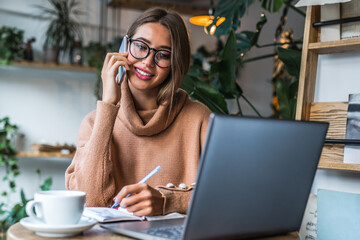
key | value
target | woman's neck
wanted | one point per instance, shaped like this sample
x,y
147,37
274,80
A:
x,y
144,100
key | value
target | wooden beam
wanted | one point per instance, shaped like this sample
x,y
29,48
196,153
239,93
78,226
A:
x,y
179,6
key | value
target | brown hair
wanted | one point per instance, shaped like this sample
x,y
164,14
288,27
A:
x,y
180,47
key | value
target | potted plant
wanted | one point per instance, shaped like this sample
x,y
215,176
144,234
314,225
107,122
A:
x,y
11,214
63,30
9,161
216,84
11,44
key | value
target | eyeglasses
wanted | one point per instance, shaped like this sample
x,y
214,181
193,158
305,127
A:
x,y
140,50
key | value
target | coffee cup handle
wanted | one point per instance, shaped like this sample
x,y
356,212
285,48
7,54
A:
x,y
30,210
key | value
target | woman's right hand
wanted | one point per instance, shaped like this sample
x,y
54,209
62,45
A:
x,y
111,90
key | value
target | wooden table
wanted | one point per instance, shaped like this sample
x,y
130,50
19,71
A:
x,y
18,232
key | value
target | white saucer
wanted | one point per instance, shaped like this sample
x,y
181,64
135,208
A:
x,y
45,230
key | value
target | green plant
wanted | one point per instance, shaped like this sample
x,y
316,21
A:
x,y
218,83
63,29
11,44
8,153
10,215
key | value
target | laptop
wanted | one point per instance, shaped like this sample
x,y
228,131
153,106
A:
x,y
254,179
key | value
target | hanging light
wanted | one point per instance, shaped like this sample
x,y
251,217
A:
x,y
206,20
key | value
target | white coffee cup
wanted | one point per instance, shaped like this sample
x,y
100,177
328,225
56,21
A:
x,y
57,207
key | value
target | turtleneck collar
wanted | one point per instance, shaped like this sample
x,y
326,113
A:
x,y
148,122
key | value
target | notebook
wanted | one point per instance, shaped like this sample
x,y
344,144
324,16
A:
x,y
105,214
253,180
338,215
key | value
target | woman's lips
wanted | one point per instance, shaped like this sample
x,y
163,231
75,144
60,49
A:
x,y
143,75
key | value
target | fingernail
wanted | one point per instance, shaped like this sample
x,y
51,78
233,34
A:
x,y
116,199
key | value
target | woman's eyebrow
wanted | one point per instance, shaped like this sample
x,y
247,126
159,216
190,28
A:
x,y
148,42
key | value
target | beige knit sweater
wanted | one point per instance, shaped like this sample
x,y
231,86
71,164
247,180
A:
x,y
118,146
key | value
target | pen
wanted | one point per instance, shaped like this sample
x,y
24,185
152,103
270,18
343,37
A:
x,y
147,177
337,21
343,141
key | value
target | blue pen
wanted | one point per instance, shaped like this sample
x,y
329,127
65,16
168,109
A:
x,y
142,181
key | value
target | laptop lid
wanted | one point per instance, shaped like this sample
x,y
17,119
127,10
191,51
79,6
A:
x,y
255,177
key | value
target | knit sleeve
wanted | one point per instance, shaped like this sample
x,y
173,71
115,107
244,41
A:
x,y
204,127
91,168
176,199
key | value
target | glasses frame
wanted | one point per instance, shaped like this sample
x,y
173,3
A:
x,y
150,48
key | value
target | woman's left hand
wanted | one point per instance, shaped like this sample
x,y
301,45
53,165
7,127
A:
x,y
143,200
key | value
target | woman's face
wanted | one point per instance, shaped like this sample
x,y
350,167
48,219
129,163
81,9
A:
x,y
144,74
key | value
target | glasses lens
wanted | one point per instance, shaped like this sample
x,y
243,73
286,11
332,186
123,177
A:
x,y
139,49
163,58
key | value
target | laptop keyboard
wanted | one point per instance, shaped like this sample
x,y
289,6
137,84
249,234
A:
x,y
174,232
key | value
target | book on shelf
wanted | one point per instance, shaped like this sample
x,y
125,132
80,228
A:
x,y
352,29
106,215
332,32
352,152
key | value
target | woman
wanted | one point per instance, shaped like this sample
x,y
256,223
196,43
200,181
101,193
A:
x,y
145,122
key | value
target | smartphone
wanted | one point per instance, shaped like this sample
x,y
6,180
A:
x,y
122,49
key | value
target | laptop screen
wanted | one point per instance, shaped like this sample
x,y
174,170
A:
x,y
255,177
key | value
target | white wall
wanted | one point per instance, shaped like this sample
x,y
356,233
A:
x,y
48,105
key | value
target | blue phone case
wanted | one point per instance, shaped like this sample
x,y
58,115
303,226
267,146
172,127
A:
x,y
122,49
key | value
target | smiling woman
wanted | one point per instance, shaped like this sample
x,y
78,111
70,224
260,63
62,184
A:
x,y
144,122
146,73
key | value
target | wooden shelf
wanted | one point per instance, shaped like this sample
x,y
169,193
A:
x,y
46,155
333,112
342,46
53,66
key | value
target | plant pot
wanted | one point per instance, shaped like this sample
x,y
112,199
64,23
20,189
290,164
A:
x,y
76,56
51,54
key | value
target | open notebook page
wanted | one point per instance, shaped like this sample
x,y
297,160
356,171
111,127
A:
x,y
104,214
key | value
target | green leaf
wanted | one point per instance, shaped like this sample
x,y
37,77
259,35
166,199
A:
x,y
12,161
272,5
259,25
293,103
291,59
208,95
233,11
244,41
229,51
282,92
47,184
227,66
293,88
188,84
23,197
12,185
2,205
